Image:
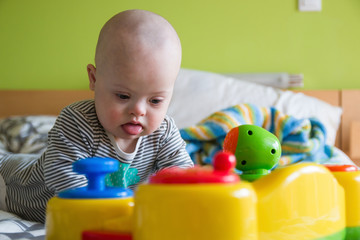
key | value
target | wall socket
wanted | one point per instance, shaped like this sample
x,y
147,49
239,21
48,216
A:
x,y
309,5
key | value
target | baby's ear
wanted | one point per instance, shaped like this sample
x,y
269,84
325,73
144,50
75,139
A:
x,y
92,76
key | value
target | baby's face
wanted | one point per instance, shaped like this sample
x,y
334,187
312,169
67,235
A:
x,y
132,99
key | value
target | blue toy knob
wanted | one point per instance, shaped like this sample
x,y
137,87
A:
x,y
95,170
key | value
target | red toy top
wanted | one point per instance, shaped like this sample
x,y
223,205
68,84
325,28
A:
x,y
224,163
342,168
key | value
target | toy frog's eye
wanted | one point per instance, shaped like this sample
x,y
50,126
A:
x,y
243,162
273,151
250,132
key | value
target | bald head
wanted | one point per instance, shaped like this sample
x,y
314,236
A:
x,y
136,34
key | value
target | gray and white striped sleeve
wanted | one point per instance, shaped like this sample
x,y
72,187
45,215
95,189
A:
x,y
172,148
69,141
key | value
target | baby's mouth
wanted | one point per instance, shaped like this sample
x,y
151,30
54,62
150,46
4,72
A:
x,y
132,128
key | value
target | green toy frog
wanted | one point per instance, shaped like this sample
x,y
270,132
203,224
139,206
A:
x,y
256,150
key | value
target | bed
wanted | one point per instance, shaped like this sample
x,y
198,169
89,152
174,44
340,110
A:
x,y
27,115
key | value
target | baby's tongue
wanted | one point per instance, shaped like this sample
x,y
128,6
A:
x,y
132,129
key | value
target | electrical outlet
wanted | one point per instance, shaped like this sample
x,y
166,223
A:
x,y
309,5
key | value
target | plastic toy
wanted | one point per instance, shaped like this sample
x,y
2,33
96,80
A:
x,y
92,207
197,203
300,201
349,178
256,150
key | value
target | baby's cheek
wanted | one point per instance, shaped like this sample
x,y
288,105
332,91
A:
x,y
115,115
157,119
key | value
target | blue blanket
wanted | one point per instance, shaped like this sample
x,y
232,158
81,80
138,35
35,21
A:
x,y
301,139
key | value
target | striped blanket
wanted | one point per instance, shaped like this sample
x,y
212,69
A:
x,y
301,139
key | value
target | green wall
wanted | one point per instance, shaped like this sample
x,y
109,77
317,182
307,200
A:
x,y
47,44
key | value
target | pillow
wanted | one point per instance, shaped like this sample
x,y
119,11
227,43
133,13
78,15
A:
x,y
197,94
301,106
25,134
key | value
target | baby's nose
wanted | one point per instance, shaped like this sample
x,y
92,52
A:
x,y
138,109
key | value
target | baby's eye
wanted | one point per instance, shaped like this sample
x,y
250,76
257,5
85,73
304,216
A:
x,y
155,101
123,96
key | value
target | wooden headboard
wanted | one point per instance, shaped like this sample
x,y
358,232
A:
x,y
50,102
38,102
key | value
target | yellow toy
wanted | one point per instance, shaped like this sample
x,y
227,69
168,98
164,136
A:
x,y
93,207
349,178
196,204
300,201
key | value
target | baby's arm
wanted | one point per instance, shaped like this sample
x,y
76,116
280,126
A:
x,y
66,144
172,150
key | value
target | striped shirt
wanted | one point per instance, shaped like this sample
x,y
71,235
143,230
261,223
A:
x,y
77,134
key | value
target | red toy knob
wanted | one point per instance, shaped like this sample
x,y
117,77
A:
x,y
224,161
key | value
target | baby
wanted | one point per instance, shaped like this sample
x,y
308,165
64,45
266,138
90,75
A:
x,y
137,59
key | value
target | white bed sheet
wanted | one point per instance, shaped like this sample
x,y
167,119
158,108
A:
x,y
13,227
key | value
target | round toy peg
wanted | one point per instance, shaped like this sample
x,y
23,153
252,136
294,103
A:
x,y
256,150
224,162
95,170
